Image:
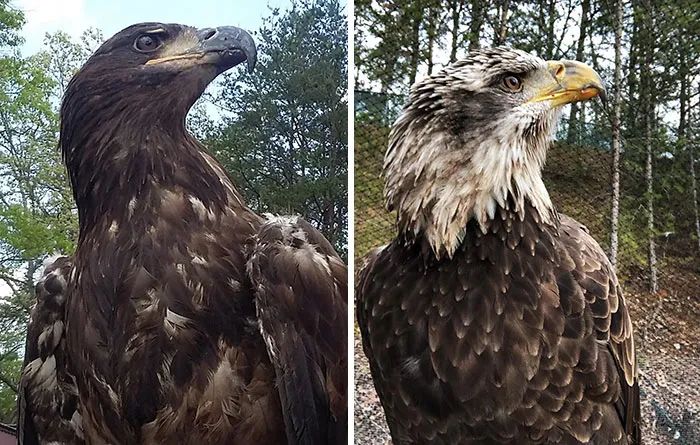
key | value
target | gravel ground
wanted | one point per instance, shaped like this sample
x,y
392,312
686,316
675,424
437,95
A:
x,y
370,424
669,363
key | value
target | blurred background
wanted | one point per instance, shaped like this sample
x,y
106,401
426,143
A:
x,y
636,190
281,131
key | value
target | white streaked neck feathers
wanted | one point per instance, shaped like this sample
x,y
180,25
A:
x,y
437,182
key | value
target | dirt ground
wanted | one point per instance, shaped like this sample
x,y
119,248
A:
x,y
667,328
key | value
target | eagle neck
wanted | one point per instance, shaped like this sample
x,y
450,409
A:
x,y
111,169
438,183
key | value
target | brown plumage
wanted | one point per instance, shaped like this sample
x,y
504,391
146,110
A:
x,y
188,318
498,321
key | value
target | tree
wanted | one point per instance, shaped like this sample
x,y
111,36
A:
x,y
456,8
500,22
478,16
648,102
11,21
284,136
617,85
37,215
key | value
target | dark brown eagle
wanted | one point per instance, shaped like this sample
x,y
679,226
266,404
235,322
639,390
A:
x,y
491,318
183,317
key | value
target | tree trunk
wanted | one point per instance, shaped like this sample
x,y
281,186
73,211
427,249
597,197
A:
x,y
633,68
653,286
574,127
694,187
648,103
477,21
551,20
432,29
683,96
500,31
682,136
456,7
617,85
416,19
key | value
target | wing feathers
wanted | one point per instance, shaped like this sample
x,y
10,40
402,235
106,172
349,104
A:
x,y
612,321
301,300
48,402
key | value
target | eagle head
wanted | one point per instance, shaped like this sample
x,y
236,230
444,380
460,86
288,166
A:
x,y
123,113
150,73
473,137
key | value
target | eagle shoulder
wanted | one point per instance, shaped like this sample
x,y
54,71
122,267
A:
x,y
48,397
300,287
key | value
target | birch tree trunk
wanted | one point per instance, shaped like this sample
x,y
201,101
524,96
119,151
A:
x,y
456,7
615,214
649,108
653,286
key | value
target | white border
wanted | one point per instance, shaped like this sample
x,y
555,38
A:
x,y
350,13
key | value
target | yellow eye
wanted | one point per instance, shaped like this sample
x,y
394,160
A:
x,y
513,83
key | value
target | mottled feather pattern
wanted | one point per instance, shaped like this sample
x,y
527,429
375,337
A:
x,y
48,397
298,276
508,340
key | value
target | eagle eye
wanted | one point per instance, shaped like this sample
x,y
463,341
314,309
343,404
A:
x,y
513,83
148,43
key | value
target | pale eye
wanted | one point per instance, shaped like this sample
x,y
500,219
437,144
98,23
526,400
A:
x,y
513,83
147,43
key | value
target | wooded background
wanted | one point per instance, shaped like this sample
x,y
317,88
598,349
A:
x,y
628,173
281,132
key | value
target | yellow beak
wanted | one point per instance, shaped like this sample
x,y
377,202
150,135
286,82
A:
x,y
572,81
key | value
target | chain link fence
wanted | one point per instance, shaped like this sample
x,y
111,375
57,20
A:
x,y
579,177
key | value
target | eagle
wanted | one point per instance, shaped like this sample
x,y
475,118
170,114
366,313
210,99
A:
x,y
491,318
183,317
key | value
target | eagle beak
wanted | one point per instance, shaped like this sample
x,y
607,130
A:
x,y
572,81
225,47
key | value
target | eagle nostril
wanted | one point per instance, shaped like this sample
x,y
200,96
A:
x,y
209,34
559,70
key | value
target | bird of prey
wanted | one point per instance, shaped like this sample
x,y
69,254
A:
x,y
183,317
491,318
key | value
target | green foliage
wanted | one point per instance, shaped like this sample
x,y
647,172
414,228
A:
x,y
11,21
284,133
37,215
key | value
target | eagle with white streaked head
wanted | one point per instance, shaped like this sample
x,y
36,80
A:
x,y
491,318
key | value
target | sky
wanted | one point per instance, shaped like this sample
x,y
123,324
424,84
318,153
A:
x,y
74,16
